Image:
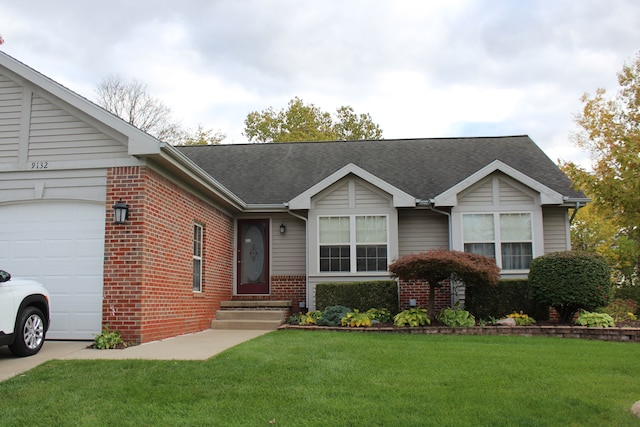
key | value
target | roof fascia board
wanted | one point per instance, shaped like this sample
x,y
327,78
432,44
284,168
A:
x,y
547,195
139,142
400,198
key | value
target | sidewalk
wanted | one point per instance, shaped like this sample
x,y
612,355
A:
x,y
196,346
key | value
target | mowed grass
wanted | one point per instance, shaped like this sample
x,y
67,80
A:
x,y
320,378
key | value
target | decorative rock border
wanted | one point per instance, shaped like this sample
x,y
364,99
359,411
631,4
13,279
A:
x,y
583,332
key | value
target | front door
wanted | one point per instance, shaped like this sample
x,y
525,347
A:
x,y
253,256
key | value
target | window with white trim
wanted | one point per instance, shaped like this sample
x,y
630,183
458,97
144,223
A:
x,y
197,257
341,237
505,237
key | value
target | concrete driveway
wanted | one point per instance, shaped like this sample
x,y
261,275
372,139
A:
x,y
197,346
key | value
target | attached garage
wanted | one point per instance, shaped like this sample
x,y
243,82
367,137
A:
x,y
60,244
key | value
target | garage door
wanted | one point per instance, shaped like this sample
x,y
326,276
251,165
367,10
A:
x,y
60,244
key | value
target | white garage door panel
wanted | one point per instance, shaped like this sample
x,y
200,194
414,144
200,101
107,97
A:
x,y
61,244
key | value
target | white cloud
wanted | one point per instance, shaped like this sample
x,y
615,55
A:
x,y
421,69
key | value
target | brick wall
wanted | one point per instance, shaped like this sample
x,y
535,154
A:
x,y
283,288
148,285
419,290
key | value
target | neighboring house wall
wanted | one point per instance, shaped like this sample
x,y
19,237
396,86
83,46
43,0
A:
x,y
148,289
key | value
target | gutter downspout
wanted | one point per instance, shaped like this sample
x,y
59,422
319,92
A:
x,y
306,253
575,212
429,204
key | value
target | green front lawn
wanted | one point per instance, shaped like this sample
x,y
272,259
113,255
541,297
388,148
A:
x,y
320,378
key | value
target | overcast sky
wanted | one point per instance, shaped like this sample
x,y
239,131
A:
x,y
420,68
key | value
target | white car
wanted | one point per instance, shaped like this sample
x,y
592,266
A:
x,y
24,314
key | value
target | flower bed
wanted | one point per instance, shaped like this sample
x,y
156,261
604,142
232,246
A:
x,y
623,334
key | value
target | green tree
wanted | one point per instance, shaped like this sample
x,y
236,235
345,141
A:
x,y
609,128
597,232
301,122
202,136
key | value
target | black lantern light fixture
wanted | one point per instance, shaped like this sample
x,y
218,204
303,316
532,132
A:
x,y
283,228
120,212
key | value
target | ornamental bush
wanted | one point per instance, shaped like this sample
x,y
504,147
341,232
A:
x,y
332,315
570,281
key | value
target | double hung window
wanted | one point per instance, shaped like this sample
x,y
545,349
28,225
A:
x,y
505,237
353,243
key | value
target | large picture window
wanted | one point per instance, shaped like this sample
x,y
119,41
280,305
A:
x,y
505,237
341,237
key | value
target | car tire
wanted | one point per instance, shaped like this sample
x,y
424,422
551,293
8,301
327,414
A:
x,y
30,333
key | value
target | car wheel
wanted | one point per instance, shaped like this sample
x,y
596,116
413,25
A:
x,y
30,332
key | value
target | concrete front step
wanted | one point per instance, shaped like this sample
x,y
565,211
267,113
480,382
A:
x,y
257,315
266,315
255,325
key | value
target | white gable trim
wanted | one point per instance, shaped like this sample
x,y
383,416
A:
x,y
547,195
400,198
139,142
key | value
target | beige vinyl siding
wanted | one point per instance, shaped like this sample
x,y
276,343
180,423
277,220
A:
x,y
288,250
556,229
336,197
80,184
421,230
10,111
512,196
480,194
366,197
57,135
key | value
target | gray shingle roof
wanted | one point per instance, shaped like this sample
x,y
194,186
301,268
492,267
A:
x,y
424,168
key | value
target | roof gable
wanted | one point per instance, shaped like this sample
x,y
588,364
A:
x,y
450,196
139,142
400,198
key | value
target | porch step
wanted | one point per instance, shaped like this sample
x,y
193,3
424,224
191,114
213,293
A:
x,y
257,315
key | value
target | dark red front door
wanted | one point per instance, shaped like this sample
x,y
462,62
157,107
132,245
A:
x,y
253,256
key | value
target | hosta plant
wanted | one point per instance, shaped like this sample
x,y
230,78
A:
x,y
595,320
455,317
382,315
310,318
108,339
355,319
412,317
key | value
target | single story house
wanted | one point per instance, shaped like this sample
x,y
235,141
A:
x,y
207,224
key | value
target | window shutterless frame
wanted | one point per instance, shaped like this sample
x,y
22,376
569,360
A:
x,y
197,257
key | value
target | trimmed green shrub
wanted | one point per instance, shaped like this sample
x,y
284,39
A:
x,y
359,295
331,316
508,296
570,281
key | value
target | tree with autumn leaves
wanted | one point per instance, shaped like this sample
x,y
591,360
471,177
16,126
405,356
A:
x,y
609,128
437,265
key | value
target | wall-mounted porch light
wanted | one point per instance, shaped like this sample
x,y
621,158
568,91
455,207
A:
x,y
120,212
283,228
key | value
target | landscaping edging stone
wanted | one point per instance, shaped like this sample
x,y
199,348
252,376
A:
x,y
583,332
